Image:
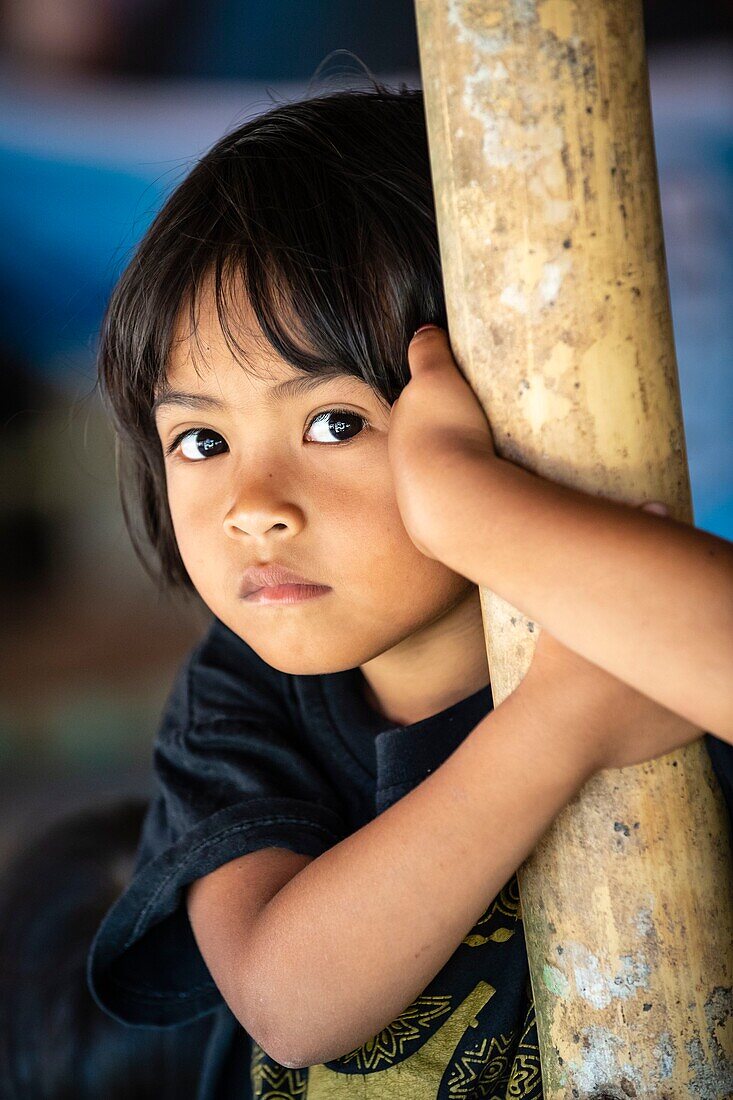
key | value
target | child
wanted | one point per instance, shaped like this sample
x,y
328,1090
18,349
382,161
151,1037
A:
x,y
328,866
54,1041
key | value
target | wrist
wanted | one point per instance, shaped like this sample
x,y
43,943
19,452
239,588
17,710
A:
x,y
566,725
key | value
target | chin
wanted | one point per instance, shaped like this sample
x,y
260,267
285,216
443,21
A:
x,y
307,664
306,658
295,651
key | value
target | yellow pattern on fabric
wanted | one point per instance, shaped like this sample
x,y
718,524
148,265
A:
x,y
417,1076
488,1066
526,1076
506,903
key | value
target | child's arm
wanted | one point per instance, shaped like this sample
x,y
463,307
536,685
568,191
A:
x,y
354,937
646,598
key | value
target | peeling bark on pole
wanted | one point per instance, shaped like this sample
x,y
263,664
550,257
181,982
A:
x,y
553,262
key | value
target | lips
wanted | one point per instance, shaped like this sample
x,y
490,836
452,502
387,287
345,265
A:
x,y
269,576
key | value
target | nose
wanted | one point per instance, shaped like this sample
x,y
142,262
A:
x,y
262,514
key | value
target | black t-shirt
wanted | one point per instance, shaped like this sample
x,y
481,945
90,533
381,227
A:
x,y
248,757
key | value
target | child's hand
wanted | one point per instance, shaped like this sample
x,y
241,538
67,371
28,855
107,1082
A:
x,y
437,430
609,724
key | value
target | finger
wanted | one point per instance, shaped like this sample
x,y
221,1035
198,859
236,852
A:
x,y
428,347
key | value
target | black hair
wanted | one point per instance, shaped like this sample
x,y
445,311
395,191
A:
x,y
55,1041
321,211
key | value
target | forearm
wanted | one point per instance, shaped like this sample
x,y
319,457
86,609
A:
x,y
648,599
354,938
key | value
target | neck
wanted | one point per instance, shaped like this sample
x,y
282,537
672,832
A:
x,y
433,669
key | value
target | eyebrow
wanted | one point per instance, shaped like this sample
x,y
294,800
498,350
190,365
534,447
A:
x,y
291,387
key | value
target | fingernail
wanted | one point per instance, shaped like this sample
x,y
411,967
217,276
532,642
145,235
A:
x,y
422,328
656,506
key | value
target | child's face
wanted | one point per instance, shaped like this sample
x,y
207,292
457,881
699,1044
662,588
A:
x,y
271,489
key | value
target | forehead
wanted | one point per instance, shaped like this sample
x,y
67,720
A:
x,y
200,346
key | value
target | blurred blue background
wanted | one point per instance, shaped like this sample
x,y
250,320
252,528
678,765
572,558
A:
x,y
104,107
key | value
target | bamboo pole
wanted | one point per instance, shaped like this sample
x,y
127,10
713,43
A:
x,y
553,259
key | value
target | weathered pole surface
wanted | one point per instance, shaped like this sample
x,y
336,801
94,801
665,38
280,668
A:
x,y
551,242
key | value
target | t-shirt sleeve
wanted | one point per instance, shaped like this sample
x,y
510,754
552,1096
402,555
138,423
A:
x,y
233,774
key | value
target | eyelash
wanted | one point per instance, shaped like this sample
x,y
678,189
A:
x,y
177,440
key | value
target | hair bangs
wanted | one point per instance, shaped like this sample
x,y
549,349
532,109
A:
x,y
327,302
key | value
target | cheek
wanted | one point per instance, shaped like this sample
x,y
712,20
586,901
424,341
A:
x,y
191,520
359,518
389,580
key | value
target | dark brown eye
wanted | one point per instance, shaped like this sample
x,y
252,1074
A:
x,y
342,423
198,443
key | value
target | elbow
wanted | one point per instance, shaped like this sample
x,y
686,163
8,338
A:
x,y
296,1031
289,1050
286,1053
270,1013
274,1044
317,1050
273,1036
285,1058
293,1063
295,1052
294,1060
